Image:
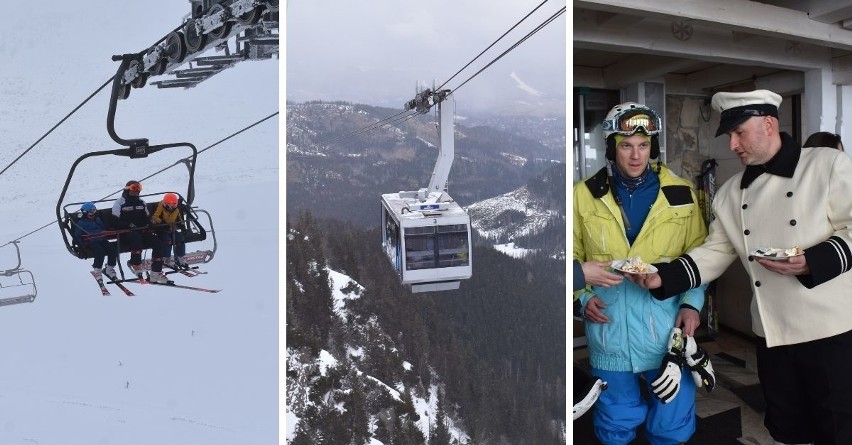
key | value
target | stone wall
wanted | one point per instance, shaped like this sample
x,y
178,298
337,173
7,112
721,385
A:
x,y
687,140
690,139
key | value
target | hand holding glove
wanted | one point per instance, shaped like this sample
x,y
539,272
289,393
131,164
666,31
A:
x,y
698,361
667,384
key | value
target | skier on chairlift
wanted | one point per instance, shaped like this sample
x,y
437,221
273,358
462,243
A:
x,y
131,212
167,221
89,225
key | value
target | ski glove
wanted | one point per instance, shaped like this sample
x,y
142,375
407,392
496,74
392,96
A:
x,y
667,384
698,361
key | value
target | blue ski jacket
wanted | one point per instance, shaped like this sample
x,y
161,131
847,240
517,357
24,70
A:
x,y
87,226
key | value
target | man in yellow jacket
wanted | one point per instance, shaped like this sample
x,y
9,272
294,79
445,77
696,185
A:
x,y
632,208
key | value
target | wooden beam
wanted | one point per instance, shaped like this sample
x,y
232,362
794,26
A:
x,y
735,15
707,43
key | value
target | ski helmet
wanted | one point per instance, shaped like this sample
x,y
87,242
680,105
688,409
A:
x,y
628,118
88,207
133,186
171,200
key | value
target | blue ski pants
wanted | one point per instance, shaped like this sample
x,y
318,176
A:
x,y
621,409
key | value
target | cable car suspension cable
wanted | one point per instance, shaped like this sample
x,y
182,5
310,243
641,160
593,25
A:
x,y
522,40
491,45
364,129
385,121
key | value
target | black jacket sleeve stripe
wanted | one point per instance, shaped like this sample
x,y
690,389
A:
x,y
826,261
678,276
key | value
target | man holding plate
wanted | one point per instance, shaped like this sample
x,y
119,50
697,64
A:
x,y
787,197
630,209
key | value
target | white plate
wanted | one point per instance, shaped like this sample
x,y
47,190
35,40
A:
x,y
618,263
780,256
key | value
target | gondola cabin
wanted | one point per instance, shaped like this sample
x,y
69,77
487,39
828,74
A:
x,y
426,241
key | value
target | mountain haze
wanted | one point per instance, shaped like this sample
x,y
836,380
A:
x,y
337,173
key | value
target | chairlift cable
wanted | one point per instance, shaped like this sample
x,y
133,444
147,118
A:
x,y
522,40
52,222
202,150
491,45
57,124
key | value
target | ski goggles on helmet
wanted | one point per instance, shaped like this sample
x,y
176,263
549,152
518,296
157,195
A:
x,y
135,187
631,120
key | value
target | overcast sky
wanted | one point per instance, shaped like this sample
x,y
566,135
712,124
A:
x,y
375,51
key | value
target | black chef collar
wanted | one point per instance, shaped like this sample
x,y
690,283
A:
x,y
782,164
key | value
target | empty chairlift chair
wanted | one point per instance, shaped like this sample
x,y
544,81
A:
x,y
17,285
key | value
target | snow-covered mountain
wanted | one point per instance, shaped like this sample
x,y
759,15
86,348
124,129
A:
x,y
368,362
335,170
510,215
305,369
528,219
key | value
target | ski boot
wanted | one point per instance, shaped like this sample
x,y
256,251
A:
x,y
109,272
159,278
135,268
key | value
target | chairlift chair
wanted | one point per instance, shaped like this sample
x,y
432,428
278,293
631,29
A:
x,y
17,285
66,216
193,228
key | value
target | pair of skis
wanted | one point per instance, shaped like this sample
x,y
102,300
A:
x,y
141,280
190,272
187,272
707,192
104,291
181,286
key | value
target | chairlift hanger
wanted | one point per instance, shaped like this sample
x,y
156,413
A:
x,y
135,149
241,29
